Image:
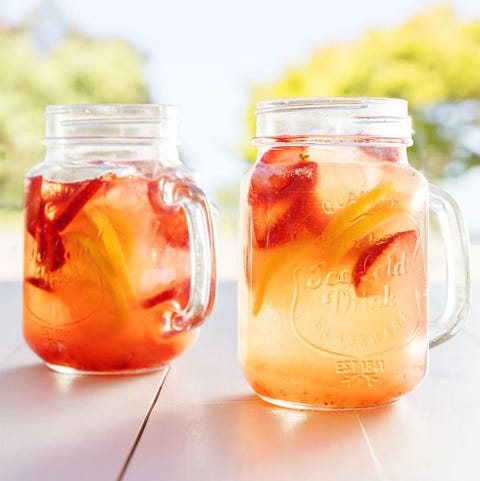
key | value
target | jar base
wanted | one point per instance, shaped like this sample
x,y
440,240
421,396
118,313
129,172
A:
x,y
321,407
124,372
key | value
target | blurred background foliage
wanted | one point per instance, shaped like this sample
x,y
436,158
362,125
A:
x,y
433,61
34,74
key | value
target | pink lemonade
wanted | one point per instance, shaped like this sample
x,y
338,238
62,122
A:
x,y
105,266
333,306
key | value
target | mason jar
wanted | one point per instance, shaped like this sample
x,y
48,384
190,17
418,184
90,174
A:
x,y
333,288
119,264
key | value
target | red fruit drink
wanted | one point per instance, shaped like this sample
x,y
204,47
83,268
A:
x,y
105,265
332,306
120,266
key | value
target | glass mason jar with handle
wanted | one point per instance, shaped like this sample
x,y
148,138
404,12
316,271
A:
x,y
333,287
119,264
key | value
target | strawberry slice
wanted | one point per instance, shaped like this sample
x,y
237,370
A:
x,y
51,248
273,175
34,205
279,216
387,154
46,217
276,171
271,222
38,282
285,155
389,257
172,221
313,215
273,182
288,173
267,180
174,228
179,292
84,191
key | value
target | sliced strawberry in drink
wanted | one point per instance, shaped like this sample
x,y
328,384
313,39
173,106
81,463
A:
x,y
178,292
50,249
380,262
277,170
313,215
271,222
43,220
274,182
279,215
84,191
38,282
286,154
174,228
58,195
55,250
387,154
34,205
172,223
268,180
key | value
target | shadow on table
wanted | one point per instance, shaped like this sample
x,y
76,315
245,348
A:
x,y
246,438
50,385
69,427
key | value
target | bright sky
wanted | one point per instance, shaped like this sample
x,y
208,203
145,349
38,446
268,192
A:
x,y
204,55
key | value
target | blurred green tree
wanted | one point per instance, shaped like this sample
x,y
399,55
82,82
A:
x,y
433,61
77,69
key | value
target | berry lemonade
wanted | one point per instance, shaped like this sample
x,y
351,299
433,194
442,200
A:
x,y
106,265
333,305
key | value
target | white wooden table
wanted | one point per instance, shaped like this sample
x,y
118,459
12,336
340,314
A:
x,y
202,421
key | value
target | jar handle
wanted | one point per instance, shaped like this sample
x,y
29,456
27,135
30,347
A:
x,y
184,193
457,259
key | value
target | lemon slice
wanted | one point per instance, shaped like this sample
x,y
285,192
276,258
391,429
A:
x,y
115,257
287,254
355,211
112,282
348,226
104,248
360,219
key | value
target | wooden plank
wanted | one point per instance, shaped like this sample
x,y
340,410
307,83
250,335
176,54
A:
x,y
10,318
57,426
208,424
432,433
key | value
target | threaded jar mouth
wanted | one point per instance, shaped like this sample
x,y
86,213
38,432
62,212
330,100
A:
x,y
106,123
334,120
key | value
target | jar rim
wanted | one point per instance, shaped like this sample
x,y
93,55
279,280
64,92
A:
x,y
111,123
160,111
335,119
397,106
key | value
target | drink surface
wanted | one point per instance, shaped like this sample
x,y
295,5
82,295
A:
x,y
332,294
106,264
